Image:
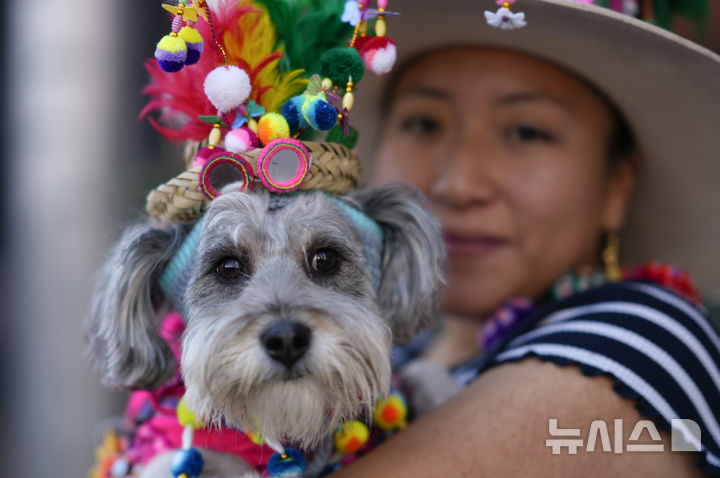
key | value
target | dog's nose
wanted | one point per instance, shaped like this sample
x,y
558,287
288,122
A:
x,y
286,342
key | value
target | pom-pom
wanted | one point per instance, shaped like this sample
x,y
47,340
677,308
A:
x,y
227,87
351,436
290,463
336,135
378,54
319,114
292,112
190,462
186,416
272,126
241,140
339,64
194,43
391,412
204,155
171,53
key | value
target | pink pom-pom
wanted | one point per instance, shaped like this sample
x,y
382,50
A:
x,y
382,4
204,155
227,87
241,140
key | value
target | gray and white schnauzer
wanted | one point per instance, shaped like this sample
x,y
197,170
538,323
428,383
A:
x,y
291,304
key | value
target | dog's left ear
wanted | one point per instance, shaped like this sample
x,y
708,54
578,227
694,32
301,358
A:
x,y
413,258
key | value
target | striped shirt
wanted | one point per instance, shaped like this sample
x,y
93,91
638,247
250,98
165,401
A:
x,y
661,351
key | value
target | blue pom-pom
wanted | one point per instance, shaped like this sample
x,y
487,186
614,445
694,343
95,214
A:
x,y
292,463
193,54
171,53
188,461
292,112
120,468
321,115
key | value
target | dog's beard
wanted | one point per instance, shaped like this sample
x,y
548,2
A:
x,y
231,381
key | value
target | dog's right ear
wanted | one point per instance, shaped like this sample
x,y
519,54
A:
x,y
121,330
413,258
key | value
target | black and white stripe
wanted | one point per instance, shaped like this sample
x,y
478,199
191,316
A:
x,y
651,341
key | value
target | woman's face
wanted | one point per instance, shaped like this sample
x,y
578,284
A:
x,y
512,153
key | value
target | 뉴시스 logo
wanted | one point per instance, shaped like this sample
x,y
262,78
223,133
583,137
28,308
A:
x,y
685,436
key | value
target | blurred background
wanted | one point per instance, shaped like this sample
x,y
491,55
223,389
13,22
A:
x,y
76,166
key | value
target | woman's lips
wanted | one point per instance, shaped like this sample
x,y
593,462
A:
x,y
459,244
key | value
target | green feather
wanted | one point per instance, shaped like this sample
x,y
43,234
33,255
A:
x,y
307,28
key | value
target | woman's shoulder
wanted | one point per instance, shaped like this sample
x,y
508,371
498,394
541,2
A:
x,y
660,350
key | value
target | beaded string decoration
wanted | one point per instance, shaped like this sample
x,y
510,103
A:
x,y
184,44
505,19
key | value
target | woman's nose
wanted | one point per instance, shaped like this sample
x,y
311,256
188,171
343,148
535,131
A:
x,y
465,175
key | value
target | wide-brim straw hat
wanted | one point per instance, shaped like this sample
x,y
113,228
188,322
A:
x,y
666,86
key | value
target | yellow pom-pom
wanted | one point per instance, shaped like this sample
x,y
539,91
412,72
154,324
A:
x,y
190,35
186,416
271,127
172,44
351,436
391,412
253,125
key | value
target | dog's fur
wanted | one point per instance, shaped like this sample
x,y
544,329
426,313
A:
x,y
228,374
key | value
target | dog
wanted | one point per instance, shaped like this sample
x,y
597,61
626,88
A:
x,y
291,305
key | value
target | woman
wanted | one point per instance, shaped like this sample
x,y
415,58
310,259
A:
x,y
529,144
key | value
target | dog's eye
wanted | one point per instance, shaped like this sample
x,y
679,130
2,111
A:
x,y
230,269
324,260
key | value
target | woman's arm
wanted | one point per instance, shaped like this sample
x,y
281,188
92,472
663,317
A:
x,y
499,424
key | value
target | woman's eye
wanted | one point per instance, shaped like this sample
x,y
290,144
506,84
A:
x,y
230,269
420,125
528,133
324,261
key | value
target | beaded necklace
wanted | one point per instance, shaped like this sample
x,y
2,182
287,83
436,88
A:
x,y
511,312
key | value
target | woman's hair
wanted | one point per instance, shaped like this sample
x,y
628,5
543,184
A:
x,y
621,141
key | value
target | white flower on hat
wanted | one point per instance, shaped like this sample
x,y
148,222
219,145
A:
x,y
505,19
630,7
351,14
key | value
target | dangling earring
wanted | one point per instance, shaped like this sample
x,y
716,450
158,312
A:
x,y
611,257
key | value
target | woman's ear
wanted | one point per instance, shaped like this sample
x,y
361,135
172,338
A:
x,y
621,184
413,257
121,330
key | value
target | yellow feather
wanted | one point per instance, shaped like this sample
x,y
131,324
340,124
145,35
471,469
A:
x,y
257,44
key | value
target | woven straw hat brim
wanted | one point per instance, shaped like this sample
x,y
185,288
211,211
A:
x,y
335,169
666,86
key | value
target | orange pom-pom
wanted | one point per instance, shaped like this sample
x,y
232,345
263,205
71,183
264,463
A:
x,y
271,127
351,436
391,412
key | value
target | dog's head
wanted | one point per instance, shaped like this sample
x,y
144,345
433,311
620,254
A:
x,y
289,308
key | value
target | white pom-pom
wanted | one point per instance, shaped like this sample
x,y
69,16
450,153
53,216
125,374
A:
x,y
227,87
382,60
